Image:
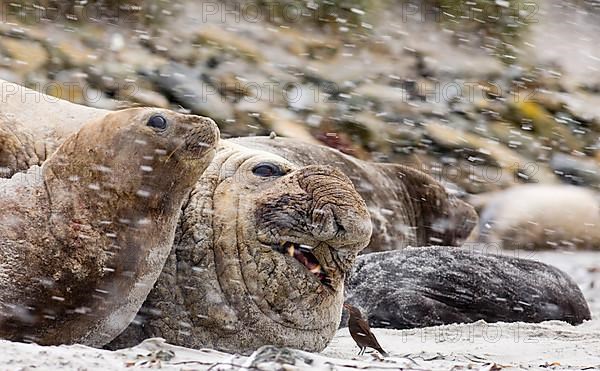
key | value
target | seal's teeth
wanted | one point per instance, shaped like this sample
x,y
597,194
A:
x,y
302,253
316,269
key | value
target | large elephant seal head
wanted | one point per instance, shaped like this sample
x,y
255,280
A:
x,y
261,256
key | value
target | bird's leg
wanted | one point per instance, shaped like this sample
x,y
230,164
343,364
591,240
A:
x,y
362,351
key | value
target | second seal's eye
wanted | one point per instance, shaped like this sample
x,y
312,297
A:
x,y
157,122
267,169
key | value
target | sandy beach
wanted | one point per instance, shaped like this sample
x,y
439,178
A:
x,y
478,346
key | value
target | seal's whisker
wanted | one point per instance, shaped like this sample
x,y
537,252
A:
x,y
173,152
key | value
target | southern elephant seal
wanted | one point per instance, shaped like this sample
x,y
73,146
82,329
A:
x,y
430,286
84,237
260,256
542,217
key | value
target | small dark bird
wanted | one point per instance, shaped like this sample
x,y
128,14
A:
x,y
361,331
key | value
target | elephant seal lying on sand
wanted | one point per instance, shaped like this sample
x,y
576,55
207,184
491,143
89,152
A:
x,y
430,286
84,237
542,217
260,256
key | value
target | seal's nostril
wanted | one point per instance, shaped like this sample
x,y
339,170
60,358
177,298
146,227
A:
x,y
339,225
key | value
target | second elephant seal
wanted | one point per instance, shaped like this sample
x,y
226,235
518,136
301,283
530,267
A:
x,y
84,237
269,234
436,285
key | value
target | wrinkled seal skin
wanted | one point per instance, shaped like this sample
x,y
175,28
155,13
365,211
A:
x,y
431,286
407,206
225,286
84,237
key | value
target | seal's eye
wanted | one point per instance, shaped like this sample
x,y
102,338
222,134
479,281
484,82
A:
x,y
157,122
267,169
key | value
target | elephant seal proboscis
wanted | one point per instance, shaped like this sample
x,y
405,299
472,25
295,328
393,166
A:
x,y
431,286
84,237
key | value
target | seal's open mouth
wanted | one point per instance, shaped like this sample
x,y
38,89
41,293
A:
x,y
303,254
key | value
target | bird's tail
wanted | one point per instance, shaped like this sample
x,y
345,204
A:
x,y
383,352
